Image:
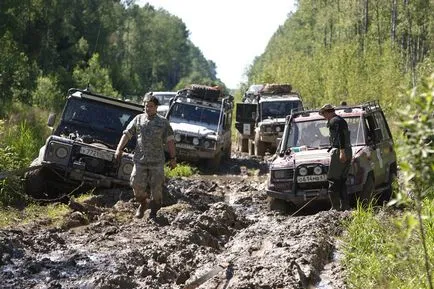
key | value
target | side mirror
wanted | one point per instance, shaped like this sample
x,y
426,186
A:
x,y
51,119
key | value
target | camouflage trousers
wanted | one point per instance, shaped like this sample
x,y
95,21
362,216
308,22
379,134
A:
x,y
337,177
148,179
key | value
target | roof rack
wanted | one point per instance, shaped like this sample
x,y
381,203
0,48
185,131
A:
x,y
371,105
87,93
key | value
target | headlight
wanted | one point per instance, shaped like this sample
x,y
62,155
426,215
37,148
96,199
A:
x,y
278,128
206,144
302,171
195,141
178,137
127,169
268,129
317,170
61,152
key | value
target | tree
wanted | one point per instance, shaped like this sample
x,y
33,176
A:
x,y
95,76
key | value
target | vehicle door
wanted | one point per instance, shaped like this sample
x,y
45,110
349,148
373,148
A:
x,y
226,129
246,114
374,155
385,145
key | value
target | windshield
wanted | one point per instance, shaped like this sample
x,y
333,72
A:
x,y
102,121
315,133
194,114
278,109
164,99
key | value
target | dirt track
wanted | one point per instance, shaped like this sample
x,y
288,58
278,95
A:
x,y
217,227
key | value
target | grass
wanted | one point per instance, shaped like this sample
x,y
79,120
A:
x,y
384,250
53,213
181,170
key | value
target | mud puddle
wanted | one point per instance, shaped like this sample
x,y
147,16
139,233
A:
x,y
215,231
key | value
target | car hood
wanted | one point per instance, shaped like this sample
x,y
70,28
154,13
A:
x,y
164,108
273,121
321,156
193,129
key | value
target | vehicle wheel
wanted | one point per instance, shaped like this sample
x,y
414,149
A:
x,y
259,148
279,205
387,194
35,183
244,145
213,164
251,148
227,152
367,195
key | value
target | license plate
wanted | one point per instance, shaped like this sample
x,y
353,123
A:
x,y
108,156
311,178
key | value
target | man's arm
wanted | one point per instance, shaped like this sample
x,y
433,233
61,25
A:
x,y
172,152
122,143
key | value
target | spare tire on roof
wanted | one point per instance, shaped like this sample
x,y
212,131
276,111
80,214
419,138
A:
x,y
208,93
276,88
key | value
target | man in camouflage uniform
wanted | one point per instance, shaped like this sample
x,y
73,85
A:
x,y
152,131
341,155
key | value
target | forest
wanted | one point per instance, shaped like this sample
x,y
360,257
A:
x,y
352,50
116,47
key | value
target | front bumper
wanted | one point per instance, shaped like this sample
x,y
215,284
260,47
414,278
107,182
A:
x,y
194,154
270,137
79,175
300,197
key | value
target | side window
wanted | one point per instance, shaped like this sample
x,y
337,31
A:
x,y
382,125
371,126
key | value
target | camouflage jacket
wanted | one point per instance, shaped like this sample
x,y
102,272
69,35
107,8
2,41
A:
x,y
152,134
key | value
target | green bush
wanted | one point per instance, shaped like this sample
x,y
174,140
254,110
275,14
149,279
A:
x,y
181,170
387,251
21,137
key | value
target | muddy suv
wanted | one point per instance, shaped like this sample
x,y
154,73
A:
x,y
82,146
201,118
299,171
260,118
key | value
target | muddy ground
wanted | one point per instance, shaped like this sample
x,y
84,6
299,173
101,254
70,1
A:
x,y
215,231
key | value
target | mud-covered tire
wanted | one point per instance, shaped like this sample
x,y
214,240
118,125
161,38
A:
x,y
214,163
367,195
251,147
259,148
227,152
242,143
245,145
278,205
386,195
35,183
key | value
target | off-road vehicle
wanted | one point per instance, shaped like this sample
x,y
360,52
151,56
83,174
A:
x,y
299,171
260,118
201,118
164,98
82,146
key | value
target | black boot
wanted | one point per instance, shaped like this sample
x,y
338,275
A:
x,y
154,206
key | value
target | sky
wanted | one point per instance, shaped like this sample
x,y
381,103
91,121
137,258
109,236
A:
x,y
229,32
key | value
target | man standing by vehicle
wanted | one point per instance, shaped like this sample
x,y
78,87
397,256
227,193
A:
x,y
341,154
152,131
